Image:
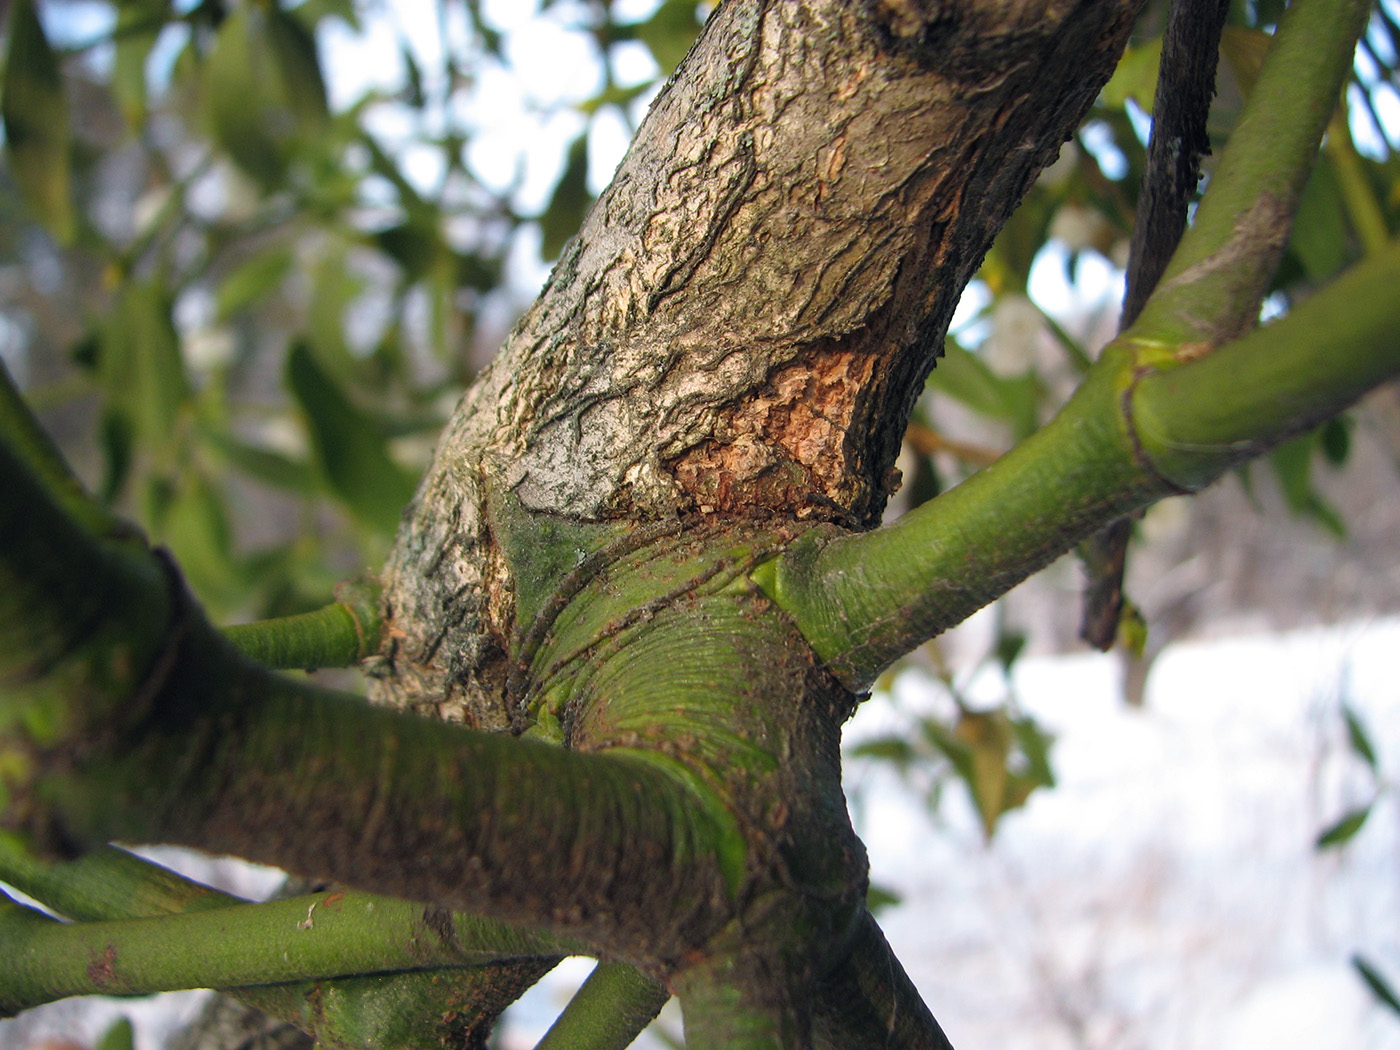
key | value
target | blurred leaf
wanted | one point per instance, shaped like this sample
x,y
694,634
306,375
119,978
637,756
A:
x,y
349,446
669,32
118,1036
252,281
1136,77
964,377
1334,439
1243,50
141,367
1034,745
271,468
1009,646
1345,829
880,897
1292,465
265,94
412,245
1321,232
613,95
567,207
138,27
1358,739
115,439
1132,629
35,112
335,287
194,523
310,13
1379,986
886,749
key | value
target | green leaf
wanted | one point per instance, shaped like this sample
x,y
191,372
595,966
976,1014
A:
x,y
252,281
35,112
194,523
964,377
349,446
1345,829
1321,232
669,32
119,1036
1136,77
879,897
1334,439
1034,744
138,26
265,94
1292,464
141,366
893,749
1009,645
1358,739
413,245
1379,986
562,219
271,468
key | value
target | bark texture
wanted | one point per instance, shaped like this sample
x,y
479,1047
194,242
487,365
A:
x,y
750,310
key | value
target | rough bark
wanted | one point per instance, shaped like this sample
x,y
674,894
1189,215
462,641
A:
x,y
749,311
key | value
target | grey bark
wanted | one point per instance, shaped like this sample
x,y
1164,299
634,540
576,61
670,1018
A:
x,y
743,322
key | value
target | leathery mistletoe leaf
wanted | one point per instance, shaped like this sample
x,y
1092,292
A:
x,y
349,445
35,112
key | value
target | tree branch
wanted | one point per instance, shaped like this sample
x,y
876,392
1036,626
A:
x,y
174,737
865,600
608,1012
1211,291
319,936
337,635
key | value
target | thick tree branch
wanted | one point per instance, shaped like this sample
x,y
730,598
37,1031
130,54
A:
x,y
176,738
749,311
866,600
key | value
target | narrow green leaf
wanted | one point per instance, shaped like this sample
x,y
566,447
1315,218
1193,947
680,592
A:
x,y
141,366
879,897
303,88
1335,440
35,112
571,199
265,94
1136,77
195,526
1034,744
271,468
252,281
669,32
119,1036
965,377
349,446
1344,829
135,36
1292,464
893,749
1378,984
1358,738
1321,232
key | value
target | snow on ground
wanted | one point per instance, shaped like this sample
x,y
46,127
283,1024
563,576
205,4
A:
x,y
1164,896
